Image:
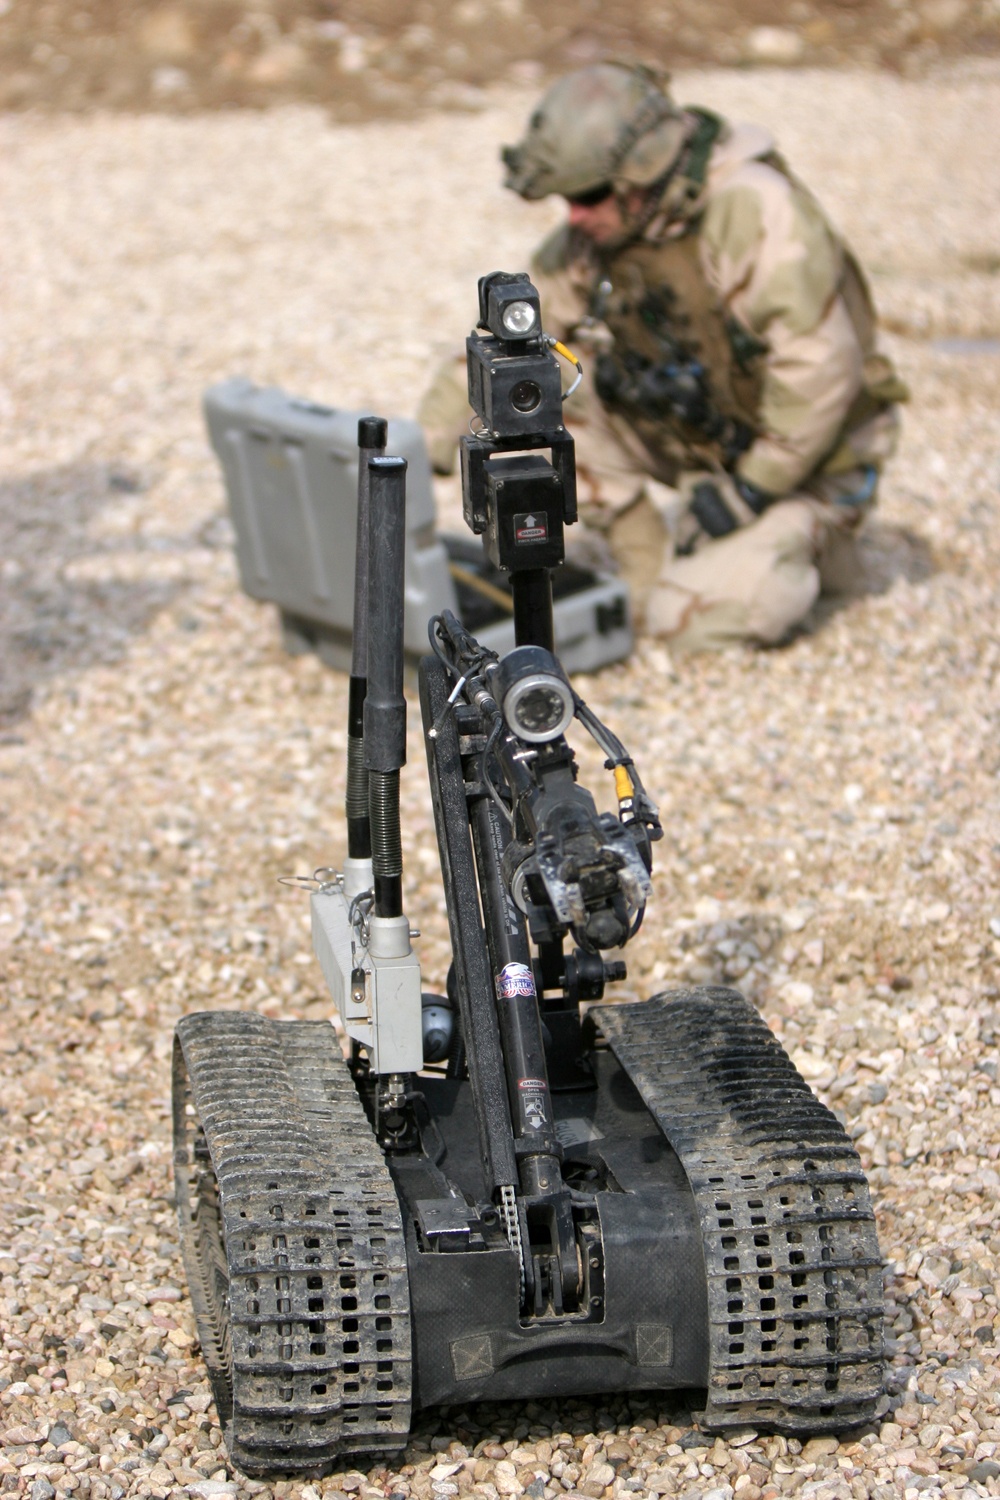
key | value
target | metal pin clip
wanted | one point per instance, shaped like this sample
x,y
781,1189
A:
x,y
435,728
324,879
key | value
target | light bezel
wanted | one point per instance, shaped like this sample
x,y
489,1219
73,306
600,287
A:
x,y
500,290
530,683
519,305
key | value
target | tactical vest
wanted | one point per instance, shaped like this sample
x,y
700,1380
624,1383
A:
x,y
654,299
657,305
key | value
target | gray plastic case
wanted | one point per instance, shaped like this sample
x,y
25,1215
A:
x,y
291,471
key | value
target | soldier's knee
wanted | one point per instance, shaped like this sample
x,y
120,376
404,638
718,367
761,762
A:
x,y
752,585
691,622
786,584
782,602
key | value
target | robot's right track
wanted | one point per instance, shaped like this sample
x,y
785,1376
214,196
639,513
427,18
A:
x,y
791,1253
293,1243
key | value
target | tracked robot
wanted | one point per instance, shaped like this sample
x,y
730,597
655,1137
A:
x,y
517,1188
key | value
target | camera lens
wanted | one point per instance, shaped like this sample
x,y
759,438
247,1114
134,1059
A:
x,y
518,317
534,696
525,396
540,710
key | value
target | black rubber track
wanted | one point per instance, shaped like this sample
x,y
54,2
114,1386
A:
x,y
292,1242
791,1252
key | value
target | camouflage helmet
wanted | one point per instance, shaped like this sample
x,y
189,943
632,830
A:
x,y
609,123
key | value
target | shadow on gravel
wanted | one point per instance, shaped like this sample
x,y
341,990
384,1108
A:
x,y
51,622
889,552
892,552
578,1415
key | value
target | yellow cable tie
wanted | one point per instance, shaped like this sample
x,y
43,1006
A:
x,y
566,353
623,784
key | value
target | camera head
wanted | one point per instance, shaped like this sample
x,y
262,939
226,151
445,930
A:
x,y
519,502
514,383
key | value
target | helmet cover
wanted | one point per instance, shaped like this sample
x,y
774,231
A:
x,y
611,123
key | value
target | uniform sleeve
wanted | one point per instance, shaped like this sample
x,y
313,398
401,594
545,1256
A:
x,y
778,267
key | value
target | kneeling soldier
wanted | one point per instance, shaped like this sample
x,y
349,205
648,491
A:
x,y
736,411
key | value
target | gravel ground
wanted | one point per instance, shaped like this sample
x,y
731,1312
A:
x,y
831,807
365,59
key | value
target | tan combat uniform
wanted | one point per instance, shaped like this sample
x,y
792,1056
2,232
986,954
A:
x,y
747,275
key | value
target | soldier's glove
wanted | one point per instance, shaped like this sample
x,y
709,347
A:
x,y
710,510
717,505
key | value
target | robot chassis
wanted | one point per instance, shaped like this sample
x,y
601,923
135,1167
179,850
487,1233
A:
x,y
501,1194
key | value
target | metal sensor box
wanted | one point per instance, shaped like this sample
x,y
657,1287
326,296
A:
x,y
514,394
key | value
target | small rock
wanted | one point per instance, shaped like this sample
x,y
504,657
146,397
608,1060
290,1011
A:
x,y
818,1447
18,1437
353,56
942,15
278,64
796,918
933,1271
810,1064
59,1433
451,93
167,32
796,992
602,1474
41,1489
506,1480
122,1169
775,44
661,1482
527,72
168,80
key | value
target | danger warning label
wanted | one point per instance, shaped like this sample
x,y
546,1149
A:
x,y
529,527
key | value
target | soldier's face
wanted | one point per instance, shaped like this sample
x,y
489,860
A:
x,y
603,223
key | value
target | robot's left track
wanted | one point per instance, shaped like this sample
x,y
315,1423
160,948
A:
x,y
293,1244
